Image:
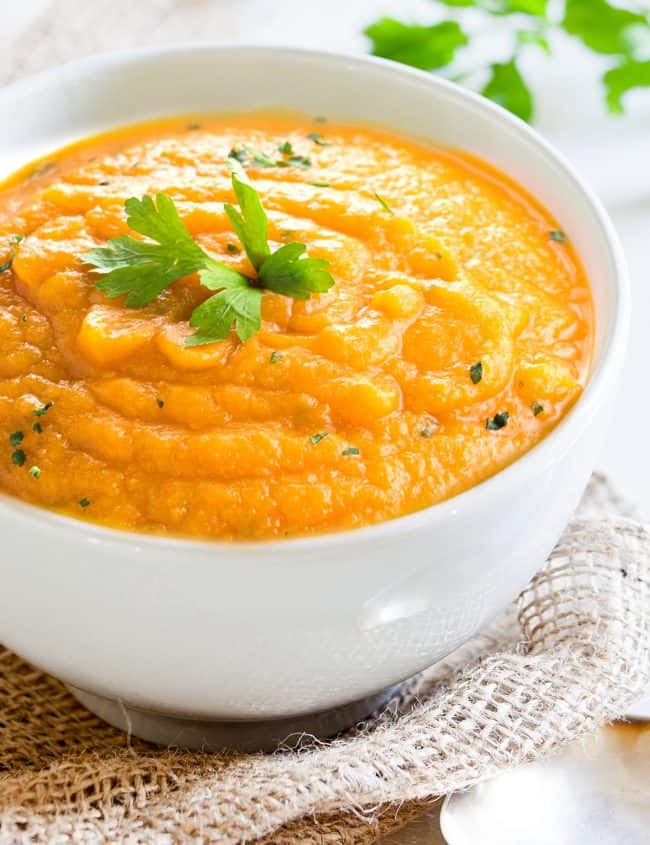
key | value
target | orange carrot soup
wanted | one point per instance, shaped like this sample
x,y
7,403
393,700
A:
x,y
261,326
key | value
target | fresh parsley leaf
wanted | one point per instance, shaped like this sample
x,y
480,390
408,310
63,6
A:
x,y
536,8
350,451
286,148
498,421
141,270
476,372
84,502
534,36
290,273
16,438
239,305
424,47
623,78
600,26
507,87
250,222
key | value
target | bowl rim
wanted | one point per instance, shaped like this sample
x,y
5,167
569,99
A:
x,y
568,427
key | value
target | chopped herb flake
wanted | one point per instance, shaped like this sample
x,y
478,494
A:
x,y
316,438
35,472
104,183
38,428
18,458
40,412
383,203
160,403
351,450
317,138
16,438
498,421
558,236
537,409
300,161
233,249
23,318
476,372
84,502
238,154
426,432
319,184
275,357
286,148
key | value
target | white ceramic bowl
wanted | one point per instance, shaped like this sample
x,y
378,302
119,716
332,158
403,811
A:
x,y
184,633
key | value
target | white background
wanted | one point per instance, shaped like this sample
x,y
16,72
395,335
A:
x,y
613,154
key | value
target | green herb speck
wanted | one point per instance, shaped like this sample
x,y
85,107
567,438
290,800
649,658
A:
x,y
160,403
35,472
40,412
351,450
300,161
498,421
319,184
316,438
16,438
275,357
286,148
383,203
38,428
426,432
104,183
84,502
557,235
18,458
317,138
537,409
476,372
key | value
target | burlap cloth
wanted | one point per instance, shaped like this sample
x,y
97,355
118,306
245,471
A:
x,y
572,655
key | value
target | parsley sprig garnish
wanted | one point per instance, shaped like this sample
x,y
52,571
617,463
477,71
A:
x,y
620,34
140,270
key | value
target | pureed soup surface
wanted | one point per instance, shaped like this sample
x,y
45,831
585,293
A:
x,y
458,333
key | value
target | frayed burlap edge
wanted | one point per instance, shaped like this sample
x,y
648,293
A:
x,y
577,658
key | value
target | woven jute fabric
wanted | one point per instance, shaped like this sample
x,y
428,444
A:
x,y
571,655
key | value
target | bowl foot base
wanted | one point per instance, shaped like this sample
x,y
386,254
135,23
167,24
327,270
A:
x,y
247,736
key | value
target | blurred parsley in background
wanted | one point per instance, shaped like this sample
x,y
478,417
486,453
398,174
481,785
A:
x,y
620,33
